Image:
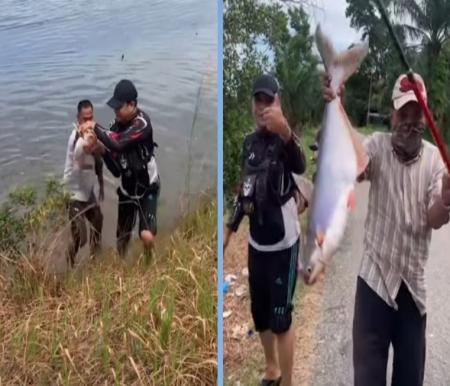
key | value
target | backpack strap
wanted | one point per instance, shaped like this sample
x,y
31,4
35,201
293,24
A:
x,y
98,165
77,136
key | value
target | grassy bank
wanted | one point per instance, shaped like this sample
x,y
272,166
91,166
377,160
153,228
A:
x,y
115,323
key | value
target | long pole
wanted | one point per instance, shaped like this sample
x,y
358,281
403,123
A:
x,y
428,116
368,103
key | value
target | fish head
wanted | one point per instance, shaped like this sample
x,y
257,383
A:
x,y
322,252
319,254
315,266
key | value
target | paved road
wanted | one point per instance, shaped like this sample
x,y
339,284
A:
x,y
334,346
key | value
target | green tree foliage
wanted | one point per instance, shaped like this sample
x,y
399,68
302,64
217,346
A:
x,y
261,36
24,214
439,91
429,24
382,65
296,70
423,28
264,37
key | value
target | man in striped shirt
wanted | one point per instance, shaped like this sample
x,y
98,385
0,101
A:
x,y
409,196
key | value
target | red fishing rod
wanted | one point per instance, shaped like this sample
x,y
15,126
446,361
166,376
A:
x,y
428,115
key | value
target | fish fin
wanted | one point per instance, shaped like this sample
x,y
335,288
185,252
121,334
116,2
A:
x,y
351,200
343,65
320,238
361,157
350,60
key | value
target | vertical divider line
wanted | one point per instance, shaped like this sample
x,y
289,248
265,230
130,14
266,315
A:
x,y
220,193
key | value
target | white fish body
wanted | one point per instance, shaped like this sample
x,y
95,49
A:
x,y
341,160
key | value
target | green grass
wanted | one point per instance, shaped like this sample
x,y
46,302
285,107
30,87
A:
x,y
116,323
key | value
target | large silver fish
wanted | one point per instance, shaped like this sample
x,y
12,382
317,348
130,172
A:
x,y
341,160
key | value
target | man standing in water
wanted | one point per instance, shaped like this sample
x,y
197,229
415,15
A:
x,y
129,154
270,155
409,196
83,164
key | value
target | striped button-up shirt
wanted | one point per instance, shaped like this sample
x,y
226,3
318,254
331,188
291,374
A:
x,y
397,234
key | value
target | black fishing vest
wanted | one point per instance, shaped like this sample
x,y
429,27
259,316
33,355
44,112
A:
x,y
264,181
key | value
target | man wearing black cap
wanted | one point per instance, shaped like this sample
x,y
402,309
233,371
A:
x,y
129,155
267,195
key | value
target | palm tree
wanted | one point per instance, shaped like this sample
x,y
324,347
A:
x,y
429,24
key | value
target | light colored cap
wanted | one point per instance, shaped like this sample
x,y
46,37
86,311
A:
x,y
403,91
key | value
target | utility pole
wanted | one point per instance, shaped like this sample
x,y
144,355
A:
x,y
370,96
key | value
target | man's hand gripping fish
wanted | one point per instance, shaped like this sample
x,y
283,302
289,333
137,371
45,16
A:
x,y
341,160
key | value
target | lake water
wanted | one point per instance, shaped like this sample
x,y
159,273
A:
x,y
56,52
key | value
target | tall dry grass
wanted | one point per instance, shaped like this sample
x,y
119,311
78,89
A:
x,y
114,323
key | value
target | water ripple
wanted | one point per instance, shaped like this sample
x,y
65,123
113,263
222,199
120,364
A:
x,y
56,52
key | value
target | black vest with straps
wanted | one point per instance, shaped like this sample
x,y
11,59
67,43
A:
x,y
264,181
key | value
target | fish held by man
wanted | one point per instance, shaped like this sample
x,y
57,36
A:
x,y
341,160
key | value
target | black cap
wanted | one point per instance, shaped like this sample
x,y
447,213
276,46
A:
x,y
265,84
124,92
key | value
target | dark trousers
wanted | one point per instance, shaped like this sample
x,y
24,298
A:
x,y
79,212
375,327
129,208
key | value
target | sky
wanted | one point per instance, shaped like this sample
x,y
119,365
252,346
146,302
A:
x,y
331,16
332,19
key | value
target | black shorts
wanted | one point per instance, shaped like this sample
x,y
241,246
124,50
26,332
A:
x,y
144,208
272,279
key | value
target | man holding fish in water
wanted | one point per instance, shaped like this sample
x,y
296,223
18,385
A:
x,y
268,196
409,196
83,165
128,152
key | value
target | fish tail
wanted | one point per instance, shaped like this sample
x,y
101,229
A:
x,y
326,48
340,66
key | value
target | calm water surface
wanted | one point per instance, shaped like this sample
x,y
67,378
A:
x,y
56,52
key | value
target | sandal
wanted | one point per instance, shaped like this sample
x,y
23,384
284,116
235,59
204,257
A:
x,y
271,382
